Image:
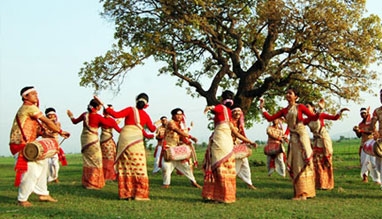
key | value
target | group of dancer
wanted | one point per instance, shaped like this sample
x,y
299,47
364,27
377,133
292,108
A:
x,y
308,163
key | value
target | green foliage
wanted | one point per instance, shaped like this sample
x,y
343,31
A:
x,y
256,48
348,199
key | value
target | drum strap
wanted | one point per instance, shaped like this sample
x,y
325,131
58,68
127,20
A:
x,y
21,129
164,147
21,164
193,154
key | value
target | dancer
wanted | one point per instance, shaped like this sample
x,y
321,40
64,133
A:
x,y
365,130
174,136
108,147
92,170
192,161
219,162
276,158
322,147
300,154
133,181
377,118
243,170
31,176
159,135
53,162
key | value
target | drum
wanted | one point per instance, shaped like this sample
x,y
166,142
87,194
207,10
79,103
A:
x,y
273,148
241,151
377,148
41,149
372,147
177,153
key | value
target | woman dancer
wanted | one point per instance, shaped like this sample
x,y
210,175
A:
x,y
219,162
300,153
108,147
92,172
322,148
133,181
243,170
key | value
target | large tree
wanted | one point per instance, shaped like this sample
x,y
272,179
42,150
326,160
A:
x,y
253,47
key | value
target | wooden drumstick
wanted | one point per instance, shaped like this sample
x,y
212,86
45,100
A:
x,y
62,141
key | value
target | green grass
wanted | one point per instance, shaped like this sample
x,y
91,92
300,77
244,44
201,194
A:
x,y
349,199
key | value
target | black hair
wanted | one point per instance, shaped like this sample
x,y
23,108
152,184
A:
x,y
25,89
295,91
104,109
235,106
48,110
312,105
141,100
175,111
93,104
228,95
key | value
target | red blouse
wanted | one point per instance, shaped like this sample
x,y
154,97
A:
x,y
95,120
128,114
322,117
114,126
301,110
219,114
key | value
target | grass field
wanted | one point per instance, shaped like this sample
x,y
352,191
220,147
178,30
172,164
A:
x,y
349,199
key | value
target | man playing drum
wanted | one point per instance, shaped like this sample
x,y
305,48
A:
x,y
173,136
365,132
31,176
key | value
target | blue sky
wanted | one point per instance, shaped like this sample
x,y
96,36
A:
x,y
44,43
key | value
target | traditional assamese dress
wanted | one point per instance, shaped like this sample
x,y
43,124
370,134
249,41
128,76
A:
x,y
172,139
133,181
276,162
219,162
92,171
322,151
53,162
109,149
300,153
368,163
243,170
158,149
31,176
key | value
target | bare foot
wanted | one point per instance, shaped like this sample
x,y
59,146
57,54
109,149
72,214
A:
x,y
196,185
301,198
141,199
47,198
24,204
